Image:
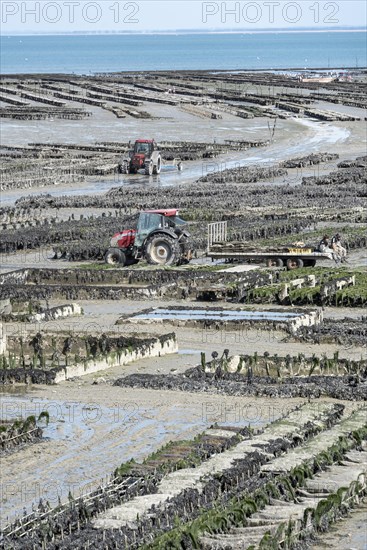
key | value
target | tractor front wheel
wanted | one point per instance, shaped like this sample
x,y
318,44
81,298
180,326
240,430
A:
x,y
115,256
162,250
124,167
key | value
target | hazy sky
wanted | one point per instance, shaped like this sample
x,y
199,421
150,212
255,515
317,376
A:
x,y
163,15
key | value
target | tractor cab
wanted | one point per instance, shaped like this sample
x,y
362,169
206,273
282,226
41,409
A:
x,y
151,220
144,147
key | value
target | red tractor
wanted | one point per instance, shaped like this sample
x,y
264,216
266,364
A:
x,y
145,156
160,238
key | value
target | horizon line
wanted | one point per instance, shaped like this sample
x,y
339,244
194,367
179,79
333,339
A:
x,y
187,31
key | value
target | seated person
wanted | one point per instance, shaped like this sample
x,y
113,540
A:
x,y
338,248
325,247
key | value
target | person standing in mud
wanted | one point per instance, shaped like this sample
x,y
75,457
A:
x,y
338,248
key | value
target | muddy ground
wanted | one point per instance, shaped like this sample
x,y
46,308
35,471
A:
x,y
95,426
349,533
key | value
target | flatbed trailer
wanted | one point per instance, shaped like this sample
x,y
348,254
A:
x,y
292,257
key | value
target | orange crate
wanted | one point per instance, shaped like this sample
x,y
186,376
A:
x,y
300,250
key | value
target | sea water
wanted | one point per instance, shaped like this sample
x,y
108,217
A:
x,y
90,54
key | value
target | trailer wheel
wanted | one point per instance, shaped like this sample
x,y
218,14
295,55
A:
x,y
274,262
161,249
157,167
292,264
300,263
115,256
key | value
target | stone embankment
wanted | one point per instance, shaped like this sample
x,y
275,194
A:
x,y
47,358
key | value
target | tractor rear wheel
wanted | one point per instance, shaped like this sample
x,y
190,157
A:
x,y
115,256
161,249
157,167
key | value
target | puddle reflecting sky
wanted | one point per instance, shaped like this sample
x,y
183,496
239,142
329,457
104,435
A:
x,y
220,315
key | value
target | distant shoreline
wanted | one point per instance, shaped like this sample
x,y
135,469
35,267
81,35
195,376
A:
x,y
185,33
97,74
